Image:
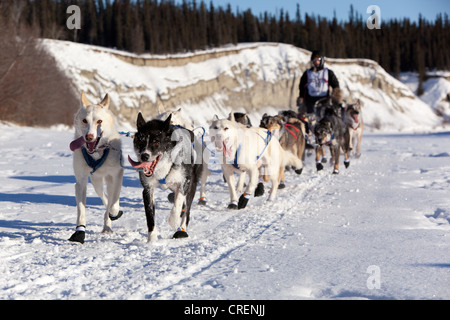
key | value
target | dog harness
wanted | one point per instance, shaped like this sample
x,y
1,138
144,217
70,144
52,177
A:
x,y
238,150
91,162
287,125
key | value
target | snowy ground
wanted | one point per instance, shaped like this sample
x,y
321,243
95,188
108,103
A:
x,y
379,230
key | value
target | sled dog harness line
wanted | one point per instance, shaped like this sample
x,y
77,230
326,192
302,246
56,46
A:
x,y
266,141
91,162
317,84
287,125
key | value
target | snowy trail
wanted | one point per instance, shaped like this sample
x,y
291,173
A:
x,y
390,210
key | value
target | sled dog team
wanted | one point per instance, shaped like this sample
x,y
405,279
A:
x,y
169,154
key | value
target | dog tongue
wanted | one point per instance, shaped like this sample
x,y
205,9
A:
x,y
148,167
76,144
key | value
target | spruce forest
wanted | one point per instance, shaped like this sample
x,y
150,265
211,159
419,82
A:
x,y
168,26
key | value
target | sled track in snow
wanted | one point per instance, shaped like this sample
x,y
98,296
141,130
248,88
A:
x,y
215,241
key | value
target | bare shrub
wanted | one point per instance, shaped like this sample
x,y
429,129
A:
x,y
33,91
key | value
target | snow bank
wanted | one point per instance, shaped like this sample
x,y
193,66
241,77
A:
x,y
246,77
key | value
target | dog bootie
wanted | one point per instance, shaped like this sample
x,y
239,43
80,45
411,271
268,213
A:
x,y
181,233
243,200
319,166
79,235
347,163
259,191
233,205
114,218
202,201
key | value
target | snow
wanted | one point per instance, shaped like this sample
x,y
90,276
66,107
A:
x,y
436,89
378,230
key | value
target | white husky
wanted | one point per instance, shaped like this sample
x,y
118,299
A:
x,y
247,150
96,155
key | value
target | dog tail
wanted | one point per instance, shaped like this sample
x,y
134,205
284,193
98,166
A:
x,y
292,160
287,159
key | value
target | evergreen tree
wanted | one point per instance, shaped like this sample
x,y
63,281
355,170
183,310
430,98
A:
x,y
166,26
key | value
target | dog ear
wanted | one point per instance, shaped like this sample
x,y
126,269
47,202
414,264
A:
x,y
140,122
160,107
231,117
215,118
166,124
105,102
84,101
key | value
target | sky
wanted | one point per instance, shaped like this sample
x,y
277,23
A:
x,y
390,9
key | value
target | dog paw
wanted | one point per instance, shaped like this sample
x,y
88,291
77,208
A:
x,y
299,171
259,191
335,171
202,201
319,166
233,205
152,236
107,229
281,185
347,164
114,218
181,233
78,236
243,200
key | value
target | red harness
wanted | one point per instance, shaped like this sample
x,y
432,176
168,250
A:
x,y
295,128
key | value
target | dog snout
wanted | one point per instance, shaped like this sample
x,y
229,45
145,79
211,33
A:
x,y
89,137
145,157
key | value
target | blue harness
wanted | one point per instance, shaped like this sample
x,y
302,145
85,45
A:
x,y
238,150
91,162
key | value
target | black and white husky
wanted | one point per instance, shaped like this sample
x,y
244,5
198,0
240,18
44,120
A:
x,y
169,157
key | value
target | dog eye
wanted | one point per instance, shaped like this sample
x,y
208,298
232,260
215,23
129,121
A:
x,y
155,143
84,121
99,121
225,129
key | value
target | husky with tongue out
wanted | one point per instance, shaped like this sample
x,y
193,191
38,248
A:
x,y
168,156
96,155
